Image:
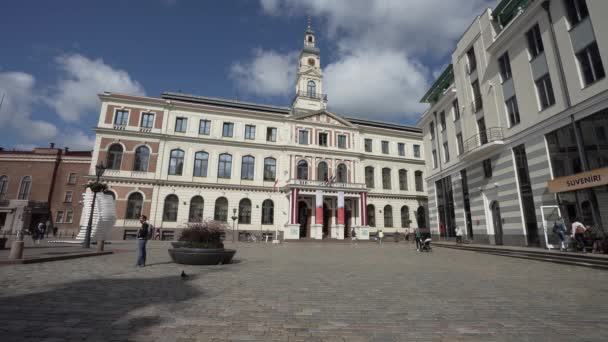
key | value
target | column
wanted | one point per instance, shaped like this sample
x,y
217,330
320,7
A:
x,y
317,228
292,229
338,231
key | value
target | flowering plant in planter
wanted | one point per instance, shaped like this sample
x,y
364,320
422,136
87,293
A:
x,y
207,234
201,244
97,186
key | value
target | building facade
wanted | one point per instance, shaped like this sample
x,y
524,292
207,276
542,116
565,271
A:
x,y
515,135
297,172
42,185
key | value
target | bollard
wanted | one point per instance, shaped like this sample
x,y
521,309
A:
x,y
100,245
16,250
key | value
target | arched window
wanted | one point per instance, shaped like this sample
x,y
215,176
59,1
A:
x,y
170,209
418,176
245,211
142,156
405,217
247,166
224,167
221,210
311,89
369,176
302,169
270,169
322,172
201,161
267,212
341,174
402,179
134,204
24,189
388,216
196,209
371,215
176,162
386,178
3,186
114,157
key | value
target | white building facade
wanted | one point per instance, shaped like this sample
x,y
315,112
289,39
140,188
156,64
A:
x,y
515,135
292,172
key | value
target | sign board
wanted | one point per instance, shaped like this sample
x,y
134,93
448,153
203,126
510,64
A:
x,y
579,181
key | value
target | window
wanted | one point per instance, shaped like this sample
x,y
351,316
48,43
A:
x,y
477,101
224,167
135,202
368,145
434,159
322,172
302,169
456,110
402,179
72,178
446,152
69,216
487,168
181,125
535,41
590,64
3,187
388,216
341,174
121,118
271,134
432,130
267,212
385,147
369,177
401,149
221,210
24,189
481,128
247,167
303,137
270,169
204,127
442,120
245,211
250,132
176,162
504,63
197,205
227,129
67,198
577,11
170,208
201,162
545,92
142,156
405,217
371,215
460,143
386,178
341,141
471,60
311,89
418,177
322,139
512,111
416,151
147,120
59,217
114,157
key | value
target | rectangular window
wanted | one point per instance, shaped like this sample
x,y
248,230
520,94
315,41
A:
x,y
368,145
471,60
303,137
477,101
460,143
67,198
432,130
385,147
481,128
525,192
59,217
228,129
250,132
456,109
577,11
271,134
69,216
434,159
545,92
341,141
401,149
72,178
512,111
504,63
181,125
147,120
442,120
323,139
416,151
487,168
446,152
204,127
121,118
590,64
535,41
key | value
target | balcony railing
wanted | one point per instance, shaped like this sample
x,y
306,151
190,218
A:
x,y
477,104
120,127
324,184
316,96
490,135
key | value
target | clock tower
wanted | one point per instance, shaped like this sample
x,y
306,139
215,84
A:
x,y
309,79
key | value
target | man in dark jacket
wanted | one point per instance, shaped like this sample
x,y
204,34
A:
x,y
142,238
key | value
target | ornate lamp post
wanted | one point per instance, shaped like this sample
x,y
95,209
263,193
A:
x,y
95,187
234,217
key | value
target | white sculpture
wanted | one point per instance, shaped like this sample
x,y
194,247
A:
x,y
104,216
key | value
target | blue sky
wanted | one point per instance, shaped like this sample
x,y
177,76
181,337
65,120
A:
x,y
378,56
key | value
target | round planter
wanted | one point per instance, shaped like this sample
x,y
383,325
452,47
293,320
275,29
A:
x,y
178,244
201,256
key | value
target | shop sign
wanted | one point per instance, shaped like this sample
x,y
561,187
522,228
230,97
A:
x,y
579,181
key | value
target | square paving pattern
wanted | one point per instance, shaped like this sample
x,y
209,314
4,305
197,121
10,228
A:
x,y
304,292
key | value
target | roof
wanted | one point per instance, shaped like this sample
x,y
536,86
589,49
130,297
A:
x,y
442,83
379,124
225,102
506,10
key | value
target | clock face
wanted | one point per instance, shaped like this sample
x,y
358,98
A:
x,y
311,61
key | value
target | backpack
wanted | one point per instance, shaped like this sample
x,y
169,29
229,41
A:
x,y
557,228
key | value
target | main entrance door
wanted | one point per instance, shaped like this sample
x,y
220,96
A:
x,y
497,220
303,216
326,220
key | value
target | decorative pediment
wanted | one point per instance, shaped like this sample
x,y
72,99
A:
x,y
315,72
323,117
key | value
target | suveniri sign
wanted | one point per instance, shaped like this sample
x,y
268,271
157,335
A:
x,y
579,181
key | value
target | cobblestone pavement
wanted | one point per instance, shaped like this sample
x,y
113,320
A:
x,y
304,292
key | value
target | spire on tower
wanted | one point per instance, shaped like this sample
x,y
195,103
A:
x,y
309,25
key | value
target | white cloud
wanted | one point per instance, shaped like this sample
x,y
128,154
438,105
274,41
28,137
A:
x,y
267,73
76,93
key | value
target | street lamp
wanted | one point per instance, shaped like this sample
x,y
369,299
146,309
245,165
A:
x,y
234,217
95,187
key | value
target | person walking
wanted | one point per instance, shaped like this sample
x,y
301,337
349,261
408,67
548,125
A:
x,y
578,233
560,230
40,229
353,234
458,235
418,236
142,238
380,236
